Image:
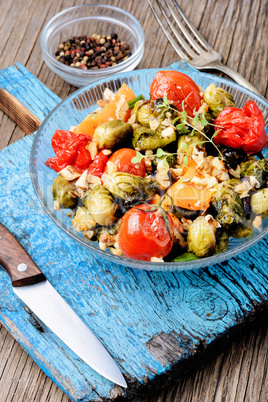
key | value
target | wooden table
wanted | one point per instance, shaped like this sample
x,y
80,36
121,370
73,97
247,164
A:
x,y
238,30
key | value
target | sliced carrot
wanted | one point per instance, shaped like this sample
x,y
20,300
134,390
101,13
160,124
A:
x,y
186,194
89,124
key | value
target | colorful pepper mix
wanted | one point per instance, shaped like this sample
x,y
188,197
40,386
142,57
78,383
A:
x,y
93,52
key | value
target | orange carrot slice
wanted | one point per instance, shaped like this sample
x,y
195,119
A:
x,y
89,124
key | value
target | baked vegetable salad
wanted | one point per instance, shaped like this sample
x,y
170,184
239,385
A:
x,y
171,178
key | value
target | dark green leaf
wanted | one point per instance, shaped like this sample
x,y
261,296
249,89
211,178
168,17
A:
x,y
192,133
136,159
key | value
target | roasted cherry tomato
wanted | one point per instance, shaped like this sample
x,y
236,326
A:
x,y
70,149
242,128
178,87
122,159
143,234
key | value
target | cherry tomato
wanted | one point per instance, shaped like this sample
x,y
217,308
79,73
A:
x,y
178,87
143,234
122,159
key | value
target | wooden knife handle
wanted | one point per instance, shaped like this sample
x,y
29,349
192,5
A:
x,y
16,261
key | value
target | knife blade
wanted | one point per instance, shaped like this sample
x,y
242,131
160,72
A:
x,y
32,287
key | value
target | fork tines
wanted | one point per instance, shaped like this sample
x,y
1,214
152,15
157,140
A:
x,y
190,44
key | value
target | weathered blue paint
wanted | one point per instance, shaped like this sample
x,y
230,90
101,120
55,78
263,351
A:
x,y
127,309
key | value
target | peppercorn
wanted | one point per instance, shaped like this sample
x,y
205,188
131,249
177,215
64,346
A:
x,y
93,52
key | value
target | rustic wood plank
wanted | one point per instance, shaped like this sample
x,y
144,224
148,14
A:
x,y
251,62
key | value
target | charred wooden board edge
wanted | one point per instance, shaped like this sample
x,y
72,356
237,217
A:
x,y
189,364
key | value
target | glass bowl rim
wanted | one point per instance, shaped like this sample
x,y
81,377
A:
x,y
84,73
159,266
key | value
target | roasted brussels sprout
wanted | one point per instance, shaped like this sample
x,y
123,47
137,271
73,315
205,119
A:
x,y
259,202
222,240
201,237
256,168
130,187
145,138
190,141
146,112
170,158
232,157
112,133
63,192
217,99
227,209
82,220
100,204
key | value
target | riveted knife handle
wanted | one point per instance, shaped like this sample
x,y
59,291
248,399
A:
x,y
16,261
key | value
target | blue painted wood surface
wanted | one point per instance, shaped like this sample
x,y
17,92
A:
x,y
149,321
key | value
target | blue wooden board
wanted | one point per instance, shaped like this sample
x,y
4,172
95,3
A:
x,y
148,321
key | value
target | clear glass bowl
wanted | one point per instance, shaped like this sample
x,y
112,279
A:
x,y
88,19
74,109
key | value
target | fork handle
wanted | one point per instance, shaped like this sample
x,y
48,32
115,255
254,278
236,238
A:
x,y
235,76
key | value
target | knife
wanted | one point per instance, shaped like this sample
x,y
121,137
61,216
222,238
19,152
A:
x,y
32,287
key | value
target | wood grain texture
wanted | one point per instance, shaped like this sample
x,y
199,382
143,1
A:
x,y
236,29
13,256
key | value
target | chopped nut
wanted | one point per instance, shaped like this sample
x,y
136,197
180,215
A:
x,y
88,234
154,123
121,108
148,165
218,164
93,181
212,221
132,119
56,205
162,176
167,132
176,173
257,222
156,259
82,181
92,148
179,239
106,152
186,223
108,94
223,176
111,167
69,173
166,123
106,240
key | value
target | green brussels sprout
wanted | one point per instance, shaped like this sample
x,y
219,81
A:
x,y
111,229
222,240
229,211
130,187
256,168
259,202
100,204
144,139
170,158
201,237
112,133
63,192
82,220
190,141
146,112
217,99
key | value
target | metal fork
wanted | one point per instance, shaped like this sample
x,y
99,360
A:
x,y
191,46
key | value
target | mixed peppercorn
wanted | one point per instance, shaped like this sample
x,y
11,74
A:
x,y
94,52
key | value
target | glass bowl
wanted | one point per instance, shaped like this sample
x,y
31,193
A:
x,y
75,108
88,19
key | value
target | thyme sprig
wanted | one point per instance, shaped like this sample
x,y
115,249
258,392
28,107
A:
x,y
199,118
159,154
